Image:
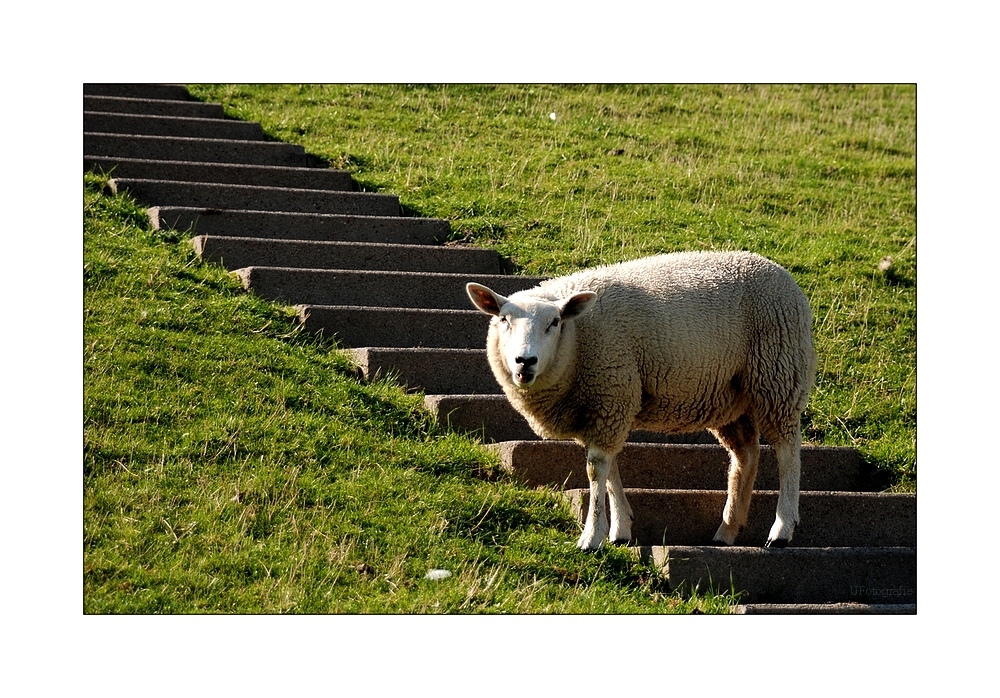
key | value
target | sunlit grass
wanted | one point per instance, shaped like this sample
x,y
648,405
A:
x,y
820,178
232,464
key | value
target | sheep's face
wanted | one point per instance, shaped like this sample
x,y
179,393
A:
x,y
528,330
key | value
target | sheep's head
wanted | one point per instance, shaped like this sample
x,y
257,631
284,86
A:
x,y
527,329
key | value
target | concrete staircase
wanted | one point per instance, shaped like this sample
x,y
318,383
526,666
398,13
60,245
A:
x,y
297,232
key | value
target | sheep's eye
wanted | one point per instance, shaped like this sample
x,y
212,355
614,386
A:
x,y
503,319
555,323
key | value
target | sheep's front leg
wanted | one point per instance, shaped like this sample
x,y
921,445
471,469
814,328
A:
x,y
595,530
621,511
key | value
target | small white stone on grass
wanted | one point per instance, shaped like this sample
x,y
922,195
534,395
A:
x,y
437,574
552,115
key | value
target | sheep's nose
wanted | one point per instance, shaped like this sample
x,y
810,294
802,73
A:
x,y
526,361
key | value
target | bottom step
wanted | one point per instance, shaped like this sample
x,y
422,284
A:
x,y
877,576
815,609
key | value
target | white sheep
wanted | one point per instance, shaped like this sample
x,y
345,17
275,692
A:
x,y
673,343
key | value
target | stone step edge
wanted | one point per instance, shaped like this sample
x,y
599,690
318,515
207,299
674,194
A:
x,y
690,517
413,368
424,351
174,92
388,309
652,464
162,102
659,553
333,244
193,120
394,329
508,447
276,170
375,272
362,352
387,289
116,183
259,152
112,100
816,573
156,214
836,608
195,140
576,492
470,409
223,196
236,252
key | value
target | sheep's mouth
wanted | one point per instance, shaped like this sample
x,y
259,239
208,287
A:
x,y
524,379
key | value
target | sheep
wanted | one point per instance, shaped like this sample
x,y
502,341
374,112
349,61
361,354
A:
x,y
673,343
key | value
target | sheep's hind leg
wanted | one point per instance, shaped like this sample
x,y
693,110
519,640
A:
x,y
788,453
742,440
595,530
621,512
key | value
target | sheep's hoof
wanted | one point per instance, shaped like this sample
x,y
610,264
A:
x,y
588,544
776,543
726,535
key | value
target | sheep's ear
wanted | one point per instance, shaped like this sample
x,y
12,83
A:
x,y
577,304
485,299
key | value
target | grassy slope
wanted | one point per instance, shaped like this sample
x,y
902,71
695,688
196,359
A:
x,y
820,178
232,465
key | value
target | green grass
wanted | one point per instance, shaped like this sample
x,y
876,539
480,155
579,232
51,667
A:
x,y
232,464
821,179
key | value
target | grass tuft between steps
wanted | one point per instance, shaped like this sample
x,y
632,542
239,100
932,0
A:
x,y
235,464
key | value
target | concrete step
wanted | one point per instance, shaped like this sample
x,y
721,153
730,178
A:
x,y
163,192
140,90
438,370
153,107
237,252
196,149
675,466
493,419
385,289
847,608
800,575
490,417
184,126
360,326
223,173
827,519
277,225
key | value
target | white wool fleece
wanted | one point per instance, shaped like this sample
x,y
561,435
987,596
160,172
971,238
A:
x,y
675,343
